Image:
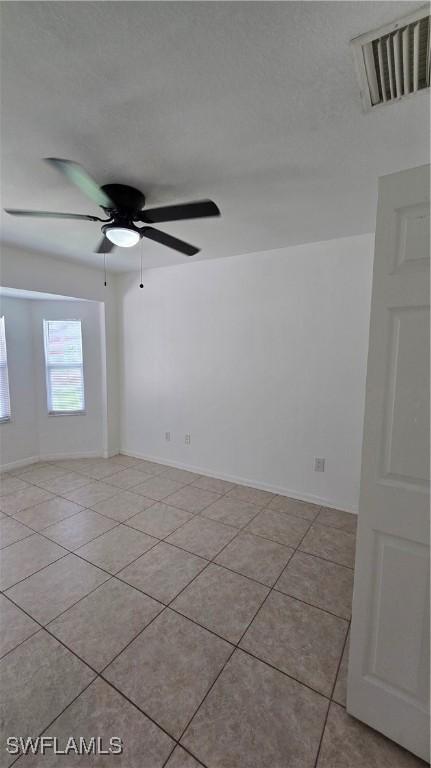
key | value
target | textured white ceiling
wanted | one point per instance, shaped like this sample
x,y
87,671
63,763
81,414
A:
x,y
254,105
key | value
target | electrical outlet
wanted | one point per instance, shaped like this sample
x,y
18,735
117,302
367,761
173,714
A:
x,y
168,437
319,465
187,439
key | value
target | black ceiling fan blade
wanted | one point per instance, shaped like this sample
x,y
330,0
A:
x,y
104,246
169,241
81,179
50,215
196,210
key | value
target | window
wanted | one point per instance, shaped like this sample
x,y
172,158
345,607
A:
x,y
4,377
64,366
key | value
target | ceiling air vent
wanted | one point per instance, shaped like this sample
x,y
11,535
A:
x,y
394,61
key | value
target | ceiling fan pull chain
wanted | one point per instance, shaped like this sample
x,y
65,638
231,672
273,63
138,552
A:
x,y
141,285
104,266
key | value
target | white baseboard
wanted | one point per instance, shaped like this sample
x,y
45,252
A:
x,y
48,457
20,463
281,490
76,455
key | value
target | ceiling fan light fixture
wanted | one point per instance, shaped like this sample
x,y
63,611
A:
x,y
125,237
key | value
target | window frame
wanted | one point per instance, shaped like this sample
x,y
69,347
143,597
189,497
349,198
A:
x,y
5,366
53,366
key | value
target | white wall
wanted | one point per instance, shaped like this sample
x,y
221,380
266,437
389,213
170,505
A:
x,y
36,272
261,358
32,433
19,437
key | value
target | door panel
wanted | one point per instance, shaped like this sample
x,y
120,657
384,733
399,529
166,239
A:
x,y
388,680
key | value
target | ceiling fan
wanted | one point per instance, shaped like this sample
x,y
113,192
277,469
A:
x,y
123,206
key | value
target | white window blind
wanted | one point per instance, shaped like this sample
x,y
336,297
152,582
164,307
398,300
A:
x,y
4,377
64,366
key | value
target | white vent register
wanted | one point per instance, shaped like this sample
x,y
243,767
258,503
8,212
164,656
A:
x,y
394,61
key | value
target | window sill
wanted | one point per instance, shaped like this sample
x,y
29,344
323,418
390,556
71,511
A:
x,y
6,420
67,413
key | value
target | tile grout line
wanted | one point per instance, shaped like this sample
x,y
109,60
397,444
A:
x,y
73,552
161,501
233,651
235,646
212,561
90,481
240,639
110,576
331,699
97,674
208,562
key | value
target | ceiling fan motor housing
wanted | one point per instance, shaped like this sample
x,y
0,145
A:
x,y
127,200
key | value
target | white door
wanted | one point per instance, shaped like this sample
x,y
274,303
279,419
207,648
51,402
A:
x,y
388,680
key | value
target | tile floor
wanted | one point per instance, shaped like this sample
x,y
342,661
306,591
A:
x,y
204,623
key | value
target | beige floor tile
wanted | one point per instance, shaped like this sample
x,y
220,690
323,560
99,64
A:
x,y
167,664
90,494
256,717
101,710
181,475
103,623
348,743
123,505
221,601
27,467
298,639
336,518
255,557
340,691
158,487
159,520
278,526
99,469
331,544
73,465
15,626
25,557
192,499
318,582
10,484
151,467
182,759
163,572
125,479
11,530
169,668
75,531
38,680
116,548
213,484
231,512
41,474
47,513
55,588
22,499
66,482
254,495
202,537
294,507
